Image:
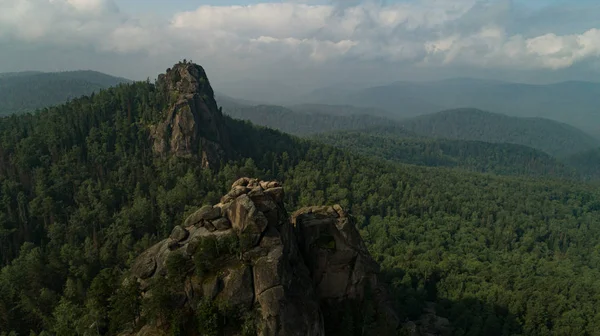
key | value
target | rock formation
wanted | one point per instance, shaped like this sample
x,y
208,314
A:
x,y
246,253
193,126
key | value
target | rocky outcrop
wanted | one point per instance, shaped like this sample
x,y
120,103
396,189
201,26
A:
x,y
193,125
340,264
248,254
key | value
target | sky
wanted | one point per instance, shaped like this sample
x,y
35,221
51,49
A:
x,y
298,45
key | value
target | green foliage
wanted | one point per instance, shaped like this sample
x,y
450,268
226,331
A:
x,y
208,317
178,267
484,157
304,122
552,137
210,249
126,305
587,163
206,255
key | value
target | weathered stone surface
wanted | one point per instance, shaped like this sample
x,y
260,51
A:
x,y
194,126
268,270
276,193
234,193
340,264
178,234
144,267
222,224
211,287
210,227
238,288
207,212
173,244
242,182
246,219
273,184
262,201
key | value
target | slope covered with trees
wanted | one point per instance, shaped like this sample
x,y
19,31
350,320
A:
x,y
485,157
82,194
309,120
28,91
587,162
552,137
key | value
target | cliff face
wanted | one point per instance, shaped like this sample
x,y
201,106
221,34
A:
x,y
193,126
294,276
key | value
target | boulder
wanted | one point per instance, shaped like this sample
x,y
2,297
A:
x,y
205,213
242,182
234,193
277,194
246,220
179,234
222,224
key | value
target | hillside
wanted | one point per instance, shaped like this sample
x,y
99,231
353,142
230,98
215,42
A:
x,y
304,120
574,103
28,91
91,187
554,138
484,157
587,162
340,110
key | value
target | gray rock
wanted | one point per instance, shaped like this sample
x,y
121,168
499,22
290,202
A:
x,y
179,234
222,224
242,182
277,194
237,287
246,219
207,212
210,227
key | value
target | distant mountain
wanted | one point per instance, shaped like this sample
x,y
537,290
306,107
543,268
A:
x,y
576,103
485,157
28,91
552,137
311,120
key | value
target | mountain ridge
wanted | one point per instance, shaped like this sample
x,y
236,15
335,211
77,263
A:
x,y
28,91
555,138
409,99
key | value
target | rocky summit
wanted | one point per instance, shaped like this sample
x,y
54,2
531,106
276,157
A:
x,y
264,272
193,125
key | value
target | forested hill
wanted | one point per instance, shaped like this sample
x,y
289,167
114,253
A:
x,y
28,91
309,119
588,163
485,157
85,187
552,137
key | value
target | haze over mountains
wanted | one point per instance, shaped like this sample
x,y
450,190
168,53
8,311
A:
x,y
572,102
27,91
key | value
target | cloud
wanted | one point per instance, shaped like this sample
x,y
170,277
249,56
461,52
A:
x,y
420,33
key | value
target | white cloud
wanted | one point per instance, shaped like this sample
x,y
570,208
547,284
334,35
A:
x,y
433,33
